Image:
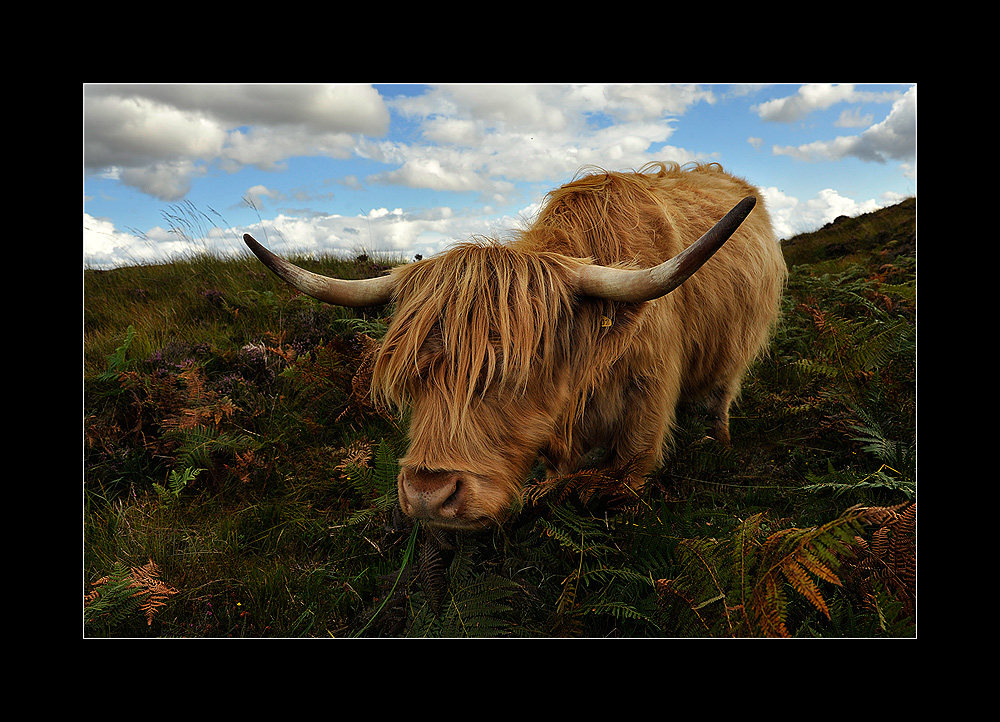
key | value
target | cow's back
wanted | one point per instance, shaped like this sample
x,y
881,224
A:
x,y
698,340
729,307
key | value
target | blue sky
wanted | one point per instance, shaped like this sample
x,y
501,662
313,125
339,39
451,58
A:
x,y
171,170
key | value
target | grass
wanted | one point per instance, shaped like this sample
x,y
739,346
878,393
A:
x,y
229,441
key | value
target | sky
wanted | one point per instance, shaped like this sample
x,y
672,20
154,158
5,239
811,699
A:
x,y
174,170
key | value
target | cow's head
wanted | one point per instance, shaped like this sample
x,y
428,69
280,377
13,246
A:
x,y
479,351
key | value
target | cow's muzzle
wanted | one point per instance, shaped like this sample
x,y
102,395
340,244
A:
x,y
440,498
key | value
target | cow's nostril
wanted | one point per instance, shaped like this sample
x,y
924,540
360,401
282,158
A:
x,y
453,500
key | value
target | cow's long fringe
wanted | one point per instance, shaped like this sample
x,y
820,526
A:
x,y
484,316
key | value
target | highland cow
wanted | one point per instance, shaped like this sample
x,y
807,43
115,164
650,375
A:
x,y
629,293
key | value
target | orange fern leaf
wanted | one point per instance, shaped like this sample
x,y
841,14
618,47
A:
x,y
148,584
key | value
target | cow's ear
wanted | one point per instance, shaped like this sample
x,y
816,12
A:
x,y
612,321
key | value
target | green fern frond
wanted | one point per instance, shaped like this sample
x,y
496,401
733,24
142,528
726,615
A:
x,y
875,439
818,368
577,532
862,487
893,618
620,610
770,609
362,326
176,483
466,602
376,483
737,586
478,609
126,591
195,446
113,598
118,361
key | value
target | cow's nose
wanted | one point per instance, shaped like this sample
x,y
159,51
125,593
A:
x,y
432,495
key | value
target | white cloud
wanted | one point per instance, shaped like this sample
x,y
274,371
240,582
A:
x,y
319,108
792,216
260,191
807,99
104,246
638,103
383,212
853,119
136,131
101,240
816,96
424,172
462,132
169,181
510,107
543,133
160,136
269,147
380,230
894,138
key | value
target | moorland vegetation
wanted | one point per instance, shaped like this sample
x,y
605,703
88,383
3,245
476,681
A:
x,y
238,482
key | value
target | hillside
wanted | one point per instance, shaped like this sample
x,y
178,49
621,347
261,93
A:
x,y
886,235
237,481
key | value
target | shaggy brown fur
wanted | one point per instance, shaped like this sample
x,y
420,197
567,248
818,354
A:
x,y
500,361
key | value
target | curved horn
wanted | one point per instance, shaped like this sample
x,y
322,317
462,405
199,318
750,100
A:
x,y
336,291
635,286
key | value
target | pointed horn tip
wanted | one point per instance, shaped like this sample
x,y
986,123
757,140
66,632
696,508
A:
x,y
746,205
257,248
734,218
